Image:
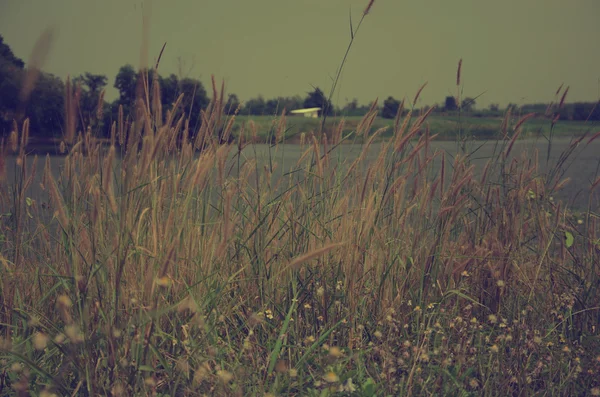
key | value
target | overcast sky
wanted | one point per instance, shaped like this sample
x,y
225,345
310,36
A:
x,y
513,50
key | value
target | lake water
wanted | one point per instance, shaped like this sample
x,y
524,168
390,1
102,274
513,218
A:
x,y
581,167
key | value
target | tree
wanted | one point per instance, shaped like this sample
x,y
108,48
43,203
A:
x,y
92,86
232,104
46,106
194,100
316,99
390,108
468,104
169,90
272,107
494,107
126,82
450,103
7,54
255,106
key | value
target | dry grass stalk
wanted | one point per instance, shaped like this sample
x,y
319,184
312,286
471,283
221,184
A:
x,y
296,262
368,7
36,60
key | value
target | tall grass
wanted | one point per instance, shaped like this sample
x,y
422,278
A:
x,y
171,264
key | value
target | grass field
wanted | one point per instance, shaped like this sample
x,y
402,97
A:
x,y
171,274
447,127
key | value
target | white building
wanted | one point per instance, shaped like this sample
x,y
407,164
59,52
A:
x,y
309,112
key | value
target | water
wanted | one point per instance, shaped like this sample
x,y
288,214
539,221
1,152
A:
x,y
581,167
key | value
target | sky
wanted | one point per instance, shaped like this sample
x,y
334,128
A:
x,y
512,50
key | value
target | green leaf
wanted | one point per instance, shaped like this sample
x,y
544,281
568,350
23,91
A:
x,y
368,388
146,368
569,239
28,201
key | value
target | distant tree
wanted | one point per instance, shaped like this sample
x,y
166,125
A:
x,y
352,108
255,106
169,90
272,107
46,106
586,111
468,104
194,100
390,108
92,85
450,103
494,107
290,103
232,104
125,83
317,99
7,54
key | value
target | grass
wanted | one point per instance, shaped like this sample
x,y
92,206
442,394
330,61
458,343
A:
x,y
446,127
158,270
171,264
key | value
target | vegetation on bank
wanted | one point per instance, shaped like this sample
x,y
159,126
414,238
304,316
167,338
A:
x,y
45,105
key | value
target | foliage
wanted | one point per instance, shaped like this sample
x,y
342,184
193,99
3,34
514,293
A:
x,y
390,108
450,103
468,104
317,99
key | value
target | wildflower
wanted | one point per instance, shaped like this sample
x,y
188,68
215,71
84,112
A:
x,y
331,377
74,334
430,306
309,339
465,273
417,308
378,334
307,306
595,391
225,376
320,291
293,372
566,349
473,383
150,381
40,341
163,281
335,351
494,349
500,283
339,285
269,314
348,386
64,301
492,319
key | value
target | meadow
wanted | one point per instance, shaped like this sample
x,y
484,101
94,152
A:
x,y
446,127
167,261
186,272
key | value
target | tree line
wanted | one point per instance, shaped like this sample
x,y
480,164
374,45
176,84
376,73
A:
x,y
45,107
